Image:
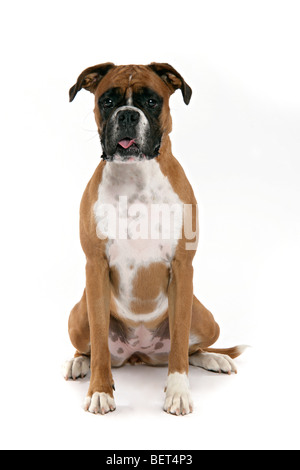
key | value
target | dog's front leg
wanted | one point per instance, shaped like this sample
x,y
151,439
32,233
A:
x,y
100,395
178,400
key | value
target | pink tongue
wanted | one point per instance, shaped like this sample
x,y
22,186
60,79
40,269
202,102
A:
x,y
126,143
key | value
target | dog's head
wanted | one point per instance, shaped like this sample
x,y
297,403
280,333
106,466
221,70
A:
x,y
132,107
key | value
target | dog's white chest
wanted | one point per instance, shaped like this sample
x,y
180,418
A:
x,y
141,217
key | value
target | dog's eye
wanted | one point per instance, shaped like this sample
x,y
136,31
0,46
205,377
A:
x,y
108,103
152,103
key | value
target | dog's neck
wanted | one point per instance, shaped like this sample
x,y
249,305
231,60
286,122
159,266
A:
x,y
133,173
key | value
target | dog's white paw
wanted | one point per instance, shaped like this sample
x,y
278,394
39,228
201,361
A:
x,y
178,398
99,403
75,368
213,362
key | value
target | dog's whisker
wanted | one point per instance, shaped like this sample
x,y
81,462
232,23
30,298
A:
x,y
89,130
92,138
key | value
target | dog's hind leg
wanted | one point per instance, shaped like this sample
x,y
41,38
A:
x,y
204,329
79,332
205,332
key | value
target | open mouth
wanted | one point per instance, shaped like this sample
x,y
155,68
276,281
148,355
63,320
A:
x,y
128,150
127,143
128,146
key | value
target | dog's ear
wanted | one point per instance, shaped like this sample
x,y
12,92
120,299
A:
x,y
173,79
90,78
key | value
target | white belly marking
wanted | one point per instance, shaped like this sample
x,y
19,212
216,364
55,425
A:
x,y
141,216
142,341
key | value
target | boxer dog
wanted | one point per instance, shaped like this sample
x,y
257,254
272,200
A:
x,y
139,232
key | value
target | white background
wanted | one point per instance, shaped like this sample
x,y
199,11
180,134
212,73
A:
x,y
239,143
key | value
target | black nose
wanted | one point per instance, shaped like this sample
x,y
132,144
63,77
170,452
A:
x,y
128,118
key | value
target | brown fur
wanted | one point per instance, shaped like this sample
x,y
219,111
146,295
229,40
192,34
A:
x,y
147,285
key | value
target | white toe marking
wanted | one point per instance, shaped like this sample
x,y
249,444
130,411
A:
x,y
99,403
178,398
77,367
213,362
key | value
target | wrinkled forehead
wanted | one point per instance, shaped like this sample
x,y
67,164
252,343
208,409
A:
x,y
131,78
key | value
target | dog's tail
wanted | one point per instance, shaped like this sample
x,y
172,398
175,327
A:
x,y
231,352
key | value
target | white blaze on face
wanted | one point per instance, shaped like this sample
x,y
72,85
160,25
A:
x,y
129,95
